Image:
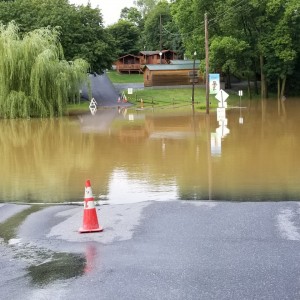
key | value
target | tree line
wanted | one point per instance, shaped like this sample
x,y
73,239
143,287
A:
x,y
255,40
35,79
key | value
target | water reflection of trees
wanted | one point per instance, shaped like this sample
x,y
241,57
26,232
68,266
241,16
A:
x,y
50,160
40,156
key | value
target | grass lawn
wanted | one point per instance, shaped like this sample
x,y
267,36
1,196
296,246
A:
x,y
179,99
116,77
78,108
171,97
165,98
177,96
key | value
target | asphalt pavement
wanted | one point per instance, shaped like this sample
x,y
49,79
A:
x,y
155,250
104,91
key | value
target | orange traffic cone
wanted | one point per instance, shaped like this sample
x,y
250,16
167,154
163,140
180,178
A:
x,y
90,219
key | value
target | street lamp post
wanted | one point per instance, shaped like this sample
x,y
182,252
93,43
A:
x,y
193,92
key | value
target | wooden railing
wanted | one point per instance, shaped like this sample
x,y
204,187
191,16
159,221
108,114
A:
x,y
155,62
129,67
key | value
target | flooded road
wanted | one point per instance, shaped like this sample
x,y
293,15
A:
x,y
132,156
165,250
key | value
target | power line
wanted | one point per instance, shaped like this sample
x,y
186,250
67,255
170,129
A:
x,y
212,21
224,13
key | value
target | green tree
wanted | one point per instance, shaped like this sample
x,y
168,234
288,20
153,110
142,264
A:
x,y
189,18
90,40
35,80
81,28
160,30
229,55
269,27
281,49
145,6
132,15
126,36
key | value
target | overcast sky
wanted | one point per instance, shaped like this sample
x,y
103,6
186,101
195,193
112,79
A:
x,y
110,9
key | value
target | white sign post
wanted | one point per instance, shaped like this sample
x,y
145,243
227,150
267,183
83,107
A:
x,y
221,114
222,130
241,120
222,97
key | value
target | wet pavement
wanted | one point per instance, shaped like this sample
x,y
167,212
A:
x,y
155,250
104,91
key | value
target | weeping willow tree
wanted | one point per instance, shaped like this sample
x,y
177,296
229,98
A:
x,y
35,80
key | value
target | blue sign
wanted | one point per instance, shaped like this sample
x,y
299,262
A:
x,y
214,83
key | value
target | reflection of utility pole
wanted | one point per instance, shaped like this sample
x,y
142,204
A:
x,y
209,167
206,64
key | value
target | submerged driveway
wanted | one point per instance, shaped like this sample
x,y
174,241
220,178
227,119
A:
x,y
156,250
103,91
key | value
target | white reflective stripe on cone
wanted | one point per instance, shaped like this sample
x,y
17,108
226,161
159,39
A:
x,y
88,192
89,204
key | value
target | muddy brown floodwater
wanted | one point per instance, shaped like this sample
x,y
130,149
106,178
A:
x,y
132,156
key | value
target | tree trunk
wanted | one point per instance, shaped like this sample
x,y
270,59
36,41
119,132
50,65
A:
x,y
282,96
282,89
263,79
249,87
228,80
255,78
278,95
256,86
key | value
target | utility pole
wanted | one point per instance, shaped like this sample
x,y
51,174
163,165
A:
x,y
206,64
160,43
194,77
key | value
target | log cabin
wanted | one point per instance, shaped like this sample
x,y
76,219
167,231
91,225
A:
x,y
128,64
157,57
134,63
183,73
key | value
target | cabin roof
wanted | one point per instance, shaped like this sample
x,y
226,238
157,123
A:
x,y
128,55
183,61
155,52
169,67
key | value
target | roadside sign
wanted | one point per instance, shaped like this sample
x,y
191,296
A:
x,y
221,96
130,91
240,93
214,83
223,105
93,106
221,114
